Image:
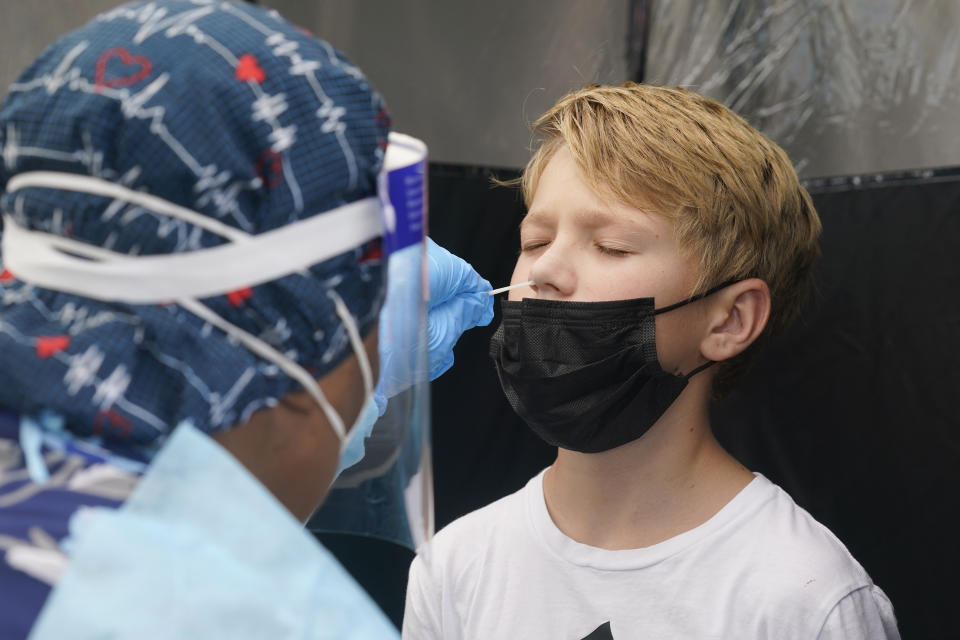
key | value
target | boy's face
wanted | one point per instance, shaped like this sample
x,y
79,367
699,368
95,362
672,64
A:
x,y
579,246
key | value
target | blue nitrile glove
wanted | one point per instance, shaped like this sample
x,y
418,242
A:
x,y
459,301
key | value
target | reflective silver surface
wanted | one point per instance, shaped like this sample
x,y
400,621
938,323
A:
x,y
845,86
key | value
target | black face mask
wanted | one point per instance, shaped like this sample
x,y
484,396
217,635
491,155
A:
x,y
585,375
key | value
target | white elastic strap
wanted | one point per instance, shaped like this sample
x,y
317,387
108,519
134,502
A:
x,y
63,181
40,258
251,342
52,261
355,340
357,343
268,353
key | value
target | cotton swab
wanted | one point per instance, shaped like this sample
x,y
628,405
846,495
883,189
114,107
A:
x,y
512,286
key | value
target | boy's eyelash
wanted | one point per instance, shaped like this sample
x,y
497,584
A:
x,y
610,251
532,246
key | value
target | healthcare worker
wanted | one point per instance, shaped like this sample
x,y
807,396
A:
x,y
191,280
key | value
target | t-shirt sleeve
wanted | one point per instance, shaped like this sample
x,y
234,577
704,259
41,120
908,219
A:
x,y
422,613
864,614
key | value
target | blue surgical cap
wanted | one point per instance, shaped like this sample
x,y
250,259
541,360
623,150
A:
x,y
226,109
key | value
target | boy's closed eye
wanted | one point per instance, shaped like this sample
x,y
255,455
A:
x,y
532,246
612,251
603,247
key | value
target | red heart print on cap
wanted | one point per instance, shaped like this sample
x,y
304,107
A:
x,y
135,68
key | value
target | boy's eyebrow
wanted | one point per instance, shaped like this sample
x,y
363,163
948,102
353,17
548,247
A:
x,y
526,220
595,218
592,218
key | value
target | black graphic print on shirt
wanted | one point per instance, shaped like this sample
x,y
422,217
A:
x,y
601,633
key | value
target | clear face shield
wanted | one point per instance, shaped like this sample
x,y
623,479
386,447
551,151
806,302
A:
x,y
388,494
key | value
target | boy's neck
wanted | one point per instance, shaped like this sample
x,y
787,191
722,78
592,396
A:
x,y
669,481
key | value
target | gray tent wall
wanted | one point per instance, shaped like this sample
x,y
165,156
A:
x,y
26,28
467,77
846,87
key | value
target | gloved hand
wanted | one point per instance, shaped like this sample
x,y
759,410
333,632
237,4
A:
x,y
459,301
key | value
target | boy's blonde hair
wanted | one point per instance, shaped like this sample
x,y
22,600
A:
x,y
732,192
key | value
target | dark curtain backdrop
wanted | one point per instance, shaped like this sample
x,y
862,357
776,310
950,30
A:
x,y
854,411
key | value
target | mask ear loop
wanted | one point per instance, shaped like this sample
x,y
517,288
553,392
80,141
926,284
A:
x,y
706,365
366,371
699,296
251,342
265,351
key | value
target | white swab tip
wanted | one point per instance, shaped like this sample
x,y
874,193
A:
x,y
512,286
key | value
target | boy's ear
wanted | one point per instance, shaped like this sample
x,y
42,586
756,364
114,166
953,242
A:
x,y
736,318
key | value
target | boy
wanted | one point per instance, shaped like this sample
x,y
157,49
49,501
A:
x,y
665,238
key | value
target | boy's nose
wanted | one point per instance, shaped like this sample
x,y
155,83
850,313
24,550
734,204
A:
x,y
553,274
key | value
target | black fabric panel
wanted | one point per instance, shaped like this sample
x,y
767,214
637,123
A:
x,y
854,411
482,450
638,33
380,567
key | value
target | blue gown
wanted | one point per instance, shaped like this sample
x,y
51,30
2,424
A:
x,y
200,549
34,518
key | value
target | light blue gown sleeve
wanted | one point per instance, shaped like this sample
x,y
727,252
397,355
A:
x,y
203,550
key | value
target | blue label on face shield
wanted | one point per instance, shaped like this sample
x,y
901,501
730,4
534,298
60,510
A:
x,y
408,200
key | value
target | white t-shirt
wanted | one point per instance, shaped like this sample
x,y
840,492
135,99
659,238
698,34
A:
x,y
762,567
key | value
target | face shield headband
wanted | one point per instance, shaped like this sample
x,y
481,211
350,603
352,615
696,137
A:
x,y
62,264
